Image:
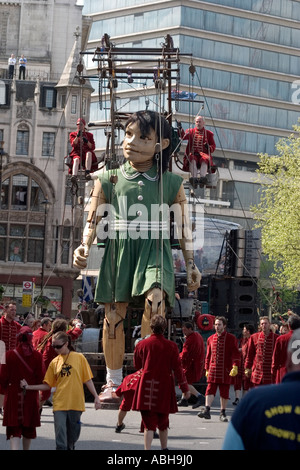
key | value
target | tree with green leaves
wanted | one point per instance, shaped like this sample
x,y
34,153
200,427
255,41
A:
x,y
278,213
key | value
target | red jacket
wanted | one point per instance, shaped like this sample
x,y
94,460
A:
x,y
81,149
192,148
192,357
159,359
222,353
20,408
8,333
280,357
38,335
259,357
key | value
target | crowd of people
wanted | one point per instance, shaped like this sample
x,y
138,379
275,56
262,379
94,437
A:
x,y
260,366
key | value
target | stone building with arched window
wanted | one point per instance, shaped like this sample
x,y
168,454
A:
x,y
40,218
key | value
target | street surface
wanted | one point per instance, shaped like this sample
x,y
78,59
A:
x,y
187,432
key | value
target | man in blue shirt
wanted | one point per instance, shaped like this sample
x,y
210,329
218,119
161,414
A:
x,y
22,66
268,417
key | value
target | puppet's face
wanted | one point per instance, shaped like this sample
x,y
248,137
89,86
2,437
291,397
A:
x,y
138,148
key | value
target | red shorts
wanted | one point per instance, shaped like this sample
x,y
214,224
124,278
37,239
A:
x,y
19,431
127,400
152,420
198,158
211,389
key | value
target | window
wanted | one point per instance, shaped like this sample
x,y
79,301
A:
x,y
66,238
241,195
16,249
84,106
4,93
22,234
74,104
48,97
37,197
35,244
23,244
22,144
48,144
63,100
3,232
19,192
49,94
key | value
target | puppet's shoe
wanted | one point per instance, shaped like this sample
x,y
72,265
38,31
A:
x,y
88,175
108,396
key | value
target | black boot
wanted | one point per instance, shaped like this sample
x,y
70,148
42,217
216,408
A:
x,y
183,402
205,413
200,401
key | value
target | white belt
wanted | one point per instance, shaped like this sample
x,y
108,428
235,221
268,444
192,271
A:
x,y
143,225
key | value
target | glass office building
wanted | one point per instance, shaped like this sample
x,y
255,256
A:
x,y
246,58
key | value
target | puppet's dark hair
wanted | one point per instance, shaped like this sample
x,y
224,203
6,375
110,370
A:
x,y
151,120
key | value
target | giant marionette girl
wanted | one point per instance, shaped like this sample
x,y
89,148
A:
x,y
137,263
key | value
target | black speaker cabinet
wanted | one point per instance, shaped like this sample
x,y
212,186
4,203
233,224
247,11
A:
x,y
235,299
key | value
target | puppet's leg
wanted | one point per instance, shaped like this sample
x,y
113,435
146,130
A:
x,y
113,346
154,304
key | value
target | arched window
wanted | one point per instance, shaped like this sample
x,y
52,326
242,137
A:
x,y
22,230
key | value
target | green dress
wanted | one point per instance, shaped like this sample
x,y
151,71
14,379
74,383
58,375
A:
x,y
138,253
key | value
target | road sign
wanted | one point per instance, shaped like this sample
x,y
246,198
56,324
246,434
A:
x,y
26,300
27,286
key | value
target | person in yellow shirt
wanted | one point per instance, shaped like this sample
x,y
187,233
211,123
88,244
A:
x,y
67,373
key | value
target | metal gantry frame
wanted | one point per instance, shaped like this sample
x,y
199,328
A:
x,y
129,63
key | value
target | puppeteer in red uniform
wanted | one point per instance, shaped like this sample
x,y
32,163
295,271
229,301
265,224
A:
x,y
221,363
157,388
192,357
199,149
155,397
279,360
222,354
82,154
21,410
260,353
9,329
